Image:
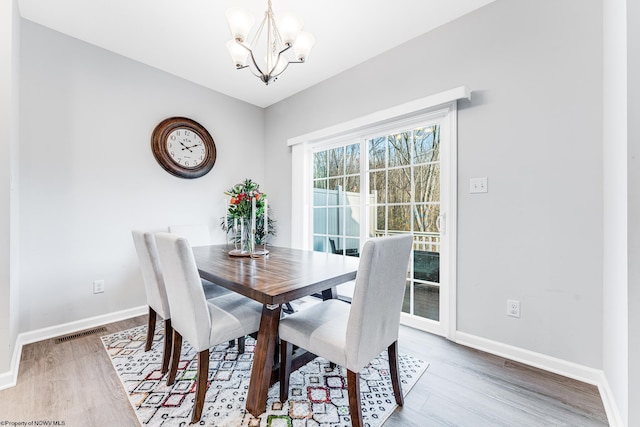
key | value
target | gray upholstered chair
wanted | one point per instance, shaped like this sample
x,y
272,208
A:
x,y
353,334
203,322
145,244
200,235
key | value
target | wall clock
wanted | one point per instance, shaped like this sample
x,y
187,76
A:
x,y
183,147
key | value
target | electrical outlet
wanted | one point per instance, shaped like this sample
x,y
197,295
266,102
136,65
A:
x,y
98,286
513,308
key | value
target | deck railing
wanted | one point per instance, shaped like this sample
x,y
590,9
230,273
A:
x,y
422,241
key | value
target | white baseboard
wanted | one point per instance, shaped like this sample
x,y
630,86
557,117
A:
x,y
551,364
610,406
10,378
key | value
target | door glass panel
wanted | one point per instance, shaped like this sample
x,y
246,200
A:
x,y
320,221
352,247
352,159
336,245
336,161
320,192
319,243
406,304
400,185
427,145
399,149
425,219
427,182
399,218
377,152
352,184
379,225
426,301
320,164
334,220
378,186
426,265
352,220
334,195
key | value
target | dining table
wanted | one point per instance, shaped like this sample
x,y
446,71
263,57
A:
x,y
281,276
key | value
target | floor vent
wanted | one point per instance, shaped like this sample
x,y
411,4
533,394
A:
x,y
80,334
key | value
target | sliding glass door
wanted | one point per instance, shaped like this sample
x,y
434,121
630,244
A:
x,y
383,182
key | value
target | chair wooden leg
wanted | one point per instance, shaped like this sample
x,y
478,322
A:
x,y
353,386
286,353
241,345
175,357
393,368
201,387
151,329
166,351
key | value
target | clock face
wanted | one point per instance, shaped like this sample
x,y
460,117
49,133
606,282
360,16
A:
x,y
186,148
183,147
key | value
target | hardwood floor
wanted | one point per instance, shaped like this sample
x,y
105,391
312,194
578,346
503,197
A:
x,y
75,382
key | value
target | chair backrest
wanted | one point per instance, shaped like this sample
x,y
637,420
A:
x,y
147,251
196,234
332,242
189,311
374,318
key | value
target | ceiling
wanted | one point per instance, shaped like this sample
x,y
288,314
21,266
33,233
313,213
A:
x,y
187,37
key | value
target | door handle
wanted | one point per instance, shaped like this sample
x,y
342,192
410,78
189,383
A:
x,y
441,224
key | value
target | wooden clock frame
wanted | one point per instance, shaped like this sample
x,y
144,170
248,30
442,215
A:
x,y
159,147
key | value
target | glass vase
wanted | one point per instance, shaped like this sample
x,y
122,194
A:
x,y
247,240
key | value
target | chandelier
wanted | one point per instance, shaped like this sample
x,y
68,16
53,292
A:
x,y
277,50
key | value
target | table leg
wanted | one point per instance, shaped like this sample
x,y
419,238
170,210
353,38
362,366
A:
x,y
263,360
331,293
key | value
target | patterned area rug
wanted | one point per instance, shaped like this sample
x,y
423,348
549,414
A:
x,y
317,393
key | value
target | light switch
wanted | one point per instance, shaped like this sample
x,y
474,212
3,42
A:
x,y
478,185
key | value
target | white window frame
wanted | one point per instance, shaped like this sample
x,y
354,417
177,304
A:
x,y
443,105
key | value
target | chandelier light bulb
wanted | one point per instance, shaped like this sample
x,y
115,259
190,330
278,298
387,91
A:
x,y
303,45
240,23
239,54
289,27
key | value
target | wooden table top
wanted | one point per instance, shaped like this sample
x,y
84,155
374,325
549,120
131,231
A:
x,y
282,276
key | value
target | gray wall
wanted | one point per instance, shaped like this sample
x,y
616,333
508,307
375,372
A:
x,y
533,127
88,177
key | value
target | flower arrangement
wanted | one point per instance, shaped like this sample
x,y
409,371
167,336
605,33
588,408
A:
x,y
240,205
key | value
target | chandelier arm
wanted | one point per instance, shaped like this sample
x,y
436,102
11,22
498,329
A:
x,y
260,73
278,60
285,67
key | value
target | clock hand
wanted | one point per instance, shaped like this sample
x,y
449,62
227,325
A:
x,y
190,147
185,147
